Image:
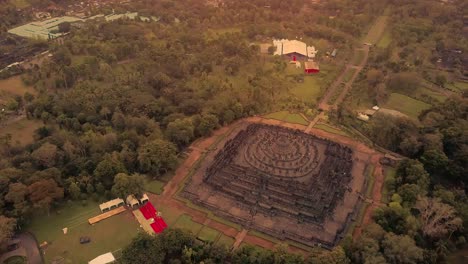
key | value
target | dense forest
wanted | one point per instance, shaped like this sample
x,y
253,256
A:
x,y
122,100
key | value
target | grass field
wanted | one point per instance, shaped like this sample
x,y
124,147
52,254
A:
x,y
371,180
21,131
286,116
385,40
15,260
358,57
185,222
154,186
349,74
225,240
309,90
406,105
14,86
389,172
20,3
458,86
330,129
422,91
208,234
109,235
376,30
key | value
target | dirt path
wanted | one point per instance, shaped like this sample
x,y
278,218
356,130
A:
x,y
376,198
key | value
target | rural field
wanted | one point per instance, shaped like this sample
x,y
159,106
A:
x,y
110,235
406,105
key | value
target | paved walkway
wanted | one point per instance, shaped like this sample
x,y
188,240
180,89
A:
x,y
28,248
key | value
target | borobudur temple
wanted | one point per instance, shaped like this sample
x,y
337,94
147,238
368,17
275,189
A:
x,y
282,182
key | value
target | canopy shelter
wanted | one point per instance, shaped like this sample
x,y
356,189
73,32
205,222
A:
x,y
112,204
144,199
132,201
103,259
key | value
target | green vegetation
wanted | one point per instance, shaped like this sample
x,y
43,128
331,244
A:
x,y
370,180
406,105
15,260
208,234
385,40
154,186
20,3
330,129
225,240
309,90
21,131
106,236
185,222
390,174
358,57
286,116
376,30
349,74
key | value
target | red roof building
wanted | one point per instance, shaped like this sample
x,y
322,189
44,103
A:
x,y
311,67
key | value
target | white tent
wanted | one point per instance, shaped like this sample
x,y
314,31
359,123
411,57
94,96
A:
x,y
132,201
144,199
103,259
111,204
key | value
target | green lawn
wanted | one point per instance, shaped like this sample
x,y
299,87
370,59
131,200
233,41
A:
x,y
109,235
421,92
389,172
225,240
154,186
330,129
286,116
20,3
376,30
358,57
349,74
371,180
458,86
21,131
385,40
208,234
15,260
185,222
309,90
406,105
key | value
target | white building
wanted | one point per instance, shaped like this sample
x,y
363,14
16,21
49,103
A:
x,y
294,48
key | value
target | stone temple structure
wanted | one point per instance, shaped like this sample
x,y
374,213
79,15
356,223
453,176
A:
x,y
282,182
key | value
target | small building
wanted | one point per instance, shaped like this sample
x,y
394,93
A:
x,y
370,112
311,67
112,204
47,29
363,117
132,201
294,49
144,199
103,259
333,54
376,108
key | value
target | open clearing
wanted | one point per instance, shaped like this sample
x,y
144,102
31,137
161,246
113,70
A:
x,y
109,235
21,131
375,32
14,86
330,129
286,116
406,105
385,40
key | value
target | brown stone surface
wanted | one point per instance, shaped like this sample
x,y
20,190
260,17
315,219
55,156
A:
x,y
282,182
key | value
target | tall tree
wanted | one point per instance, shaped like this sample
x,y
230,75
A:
x,y
157,156
438,219
7,228
43,192
125,185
